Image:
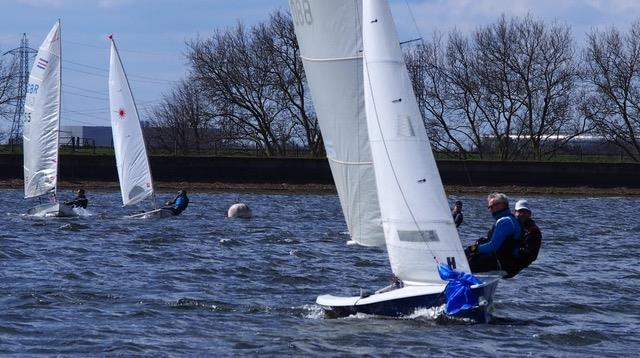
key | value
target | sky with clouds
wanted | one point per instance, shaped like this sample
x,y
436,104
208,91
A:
x,y
151,34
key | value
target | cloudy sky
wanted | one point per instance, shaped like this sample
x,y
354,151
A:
x,y
151,34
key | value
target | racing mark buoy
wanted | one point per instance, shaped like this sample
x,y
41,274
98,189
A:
x,y
239,210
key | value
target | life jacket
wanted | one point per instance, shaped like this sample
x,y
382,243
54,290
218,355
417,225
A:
x,y
182,202
507,254
531,242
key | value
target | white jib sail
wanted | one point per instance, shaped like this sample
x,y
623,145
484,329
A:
x,y
418,226
42,119
131,154
330,38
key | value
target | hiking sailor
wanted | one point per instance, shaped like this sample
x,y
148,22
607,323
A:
x,y
178,204
500,249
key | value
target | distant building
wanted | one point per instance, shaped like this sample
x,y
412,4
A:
x,y
100,136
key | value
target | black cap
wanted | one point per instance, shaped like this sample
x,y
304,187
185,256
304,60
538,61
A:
x,y
458,203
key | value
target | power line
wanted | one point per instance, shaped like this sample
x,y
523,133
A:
x,y
84,89
85,96
106,48
136,79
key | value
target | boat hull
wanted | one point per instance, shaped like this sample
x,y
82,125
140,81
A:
x,y
405,301
153,214
52,210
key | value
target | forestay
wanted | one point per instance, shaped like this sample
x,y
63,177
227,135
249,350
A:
x,y
330,39
42,119
131,155
418,226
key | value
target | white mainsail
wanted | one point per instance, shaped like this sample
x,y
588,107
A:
x,y
42,119
134,173
419,230
330,39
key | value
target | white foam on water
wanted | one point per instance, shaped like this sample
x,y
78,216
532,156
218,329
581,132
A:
x,y
82,212
313,311
431,313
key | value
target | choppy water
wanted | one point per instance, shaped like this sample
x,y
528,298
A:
x,y
201,284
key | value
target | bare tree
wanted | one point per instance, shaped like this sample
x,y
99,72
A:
x,y
181,119
234,72
612,70
543,61
426,64
508,88
290,90
8,90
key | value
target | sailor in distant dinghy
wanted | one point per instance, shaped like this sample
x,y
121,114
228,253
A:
x,y
178,204
80,201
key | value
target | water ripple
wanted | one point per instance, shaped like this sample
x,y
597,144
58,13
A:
x,y
201,284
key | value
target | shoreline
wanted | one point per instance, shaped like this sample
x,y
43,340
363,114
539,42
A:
x,y
285,188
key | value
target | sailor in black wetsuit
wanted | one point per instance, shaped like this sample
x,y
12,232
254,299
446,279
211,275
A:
x,y
80,201
531,235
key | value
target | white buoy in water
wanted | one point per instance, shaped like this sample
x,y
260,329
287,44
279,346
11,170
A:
x,y
239,210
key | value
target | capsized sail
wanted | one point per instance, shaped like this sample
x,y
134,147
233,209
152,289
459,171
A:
x,y
330,38
419,230
134,173
42,119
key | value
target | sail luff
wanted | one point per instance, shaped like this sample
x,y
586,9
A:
x,y
42,118
330,39
418,227
134,173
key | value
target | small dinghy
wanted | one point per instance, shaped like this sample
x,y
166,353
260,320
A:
x,y
134,172
412,212
41,134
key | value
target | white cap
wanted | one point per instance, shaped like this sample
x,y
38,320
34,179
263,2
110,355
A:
x,y
522,205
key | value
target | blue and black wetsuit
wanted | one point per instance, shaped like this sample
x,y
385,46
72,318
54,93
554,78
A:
x,y
181,202
500,251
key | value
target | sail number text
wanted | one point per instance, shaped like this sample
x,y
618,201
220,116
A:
x,y
301,12
32,88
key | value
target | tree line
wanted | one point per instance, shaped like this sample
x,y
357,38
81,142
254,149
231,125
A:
x,y
519,88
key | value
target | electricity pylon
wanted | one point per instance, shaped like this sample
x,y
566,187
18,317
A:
x,y
22,55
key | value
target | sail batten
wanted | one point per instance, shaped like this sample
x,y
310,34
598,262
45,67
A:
x,y
134,173
419,230
42,119
330,41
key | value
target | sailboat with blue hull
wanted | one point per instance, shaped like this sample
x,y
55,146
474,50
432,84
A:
x,y
419,234
396,301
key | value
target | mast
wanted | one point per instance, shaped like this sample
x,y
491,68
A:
x,y
55,189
